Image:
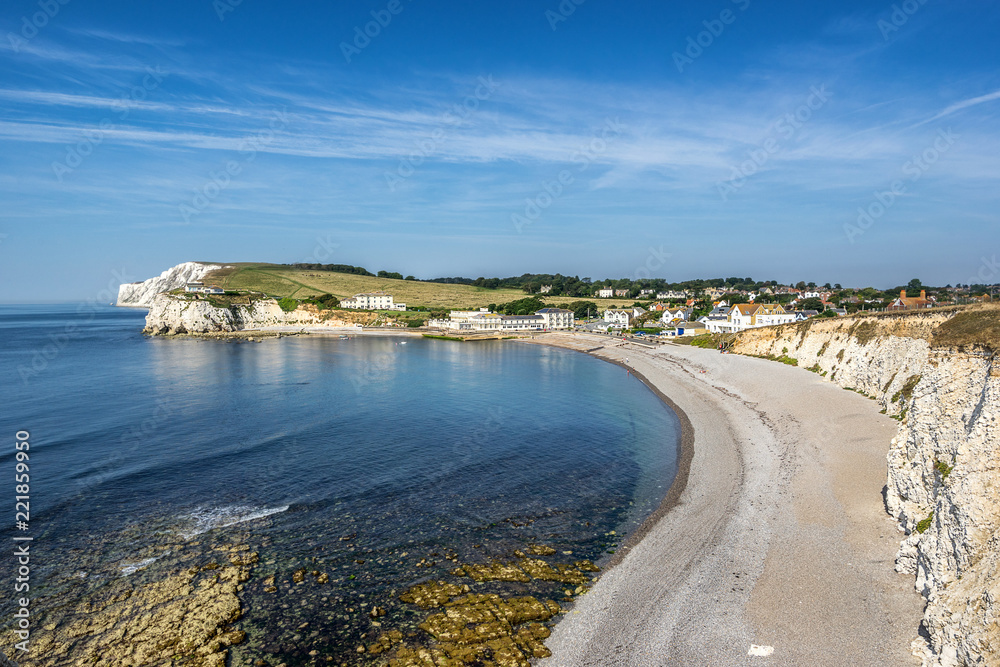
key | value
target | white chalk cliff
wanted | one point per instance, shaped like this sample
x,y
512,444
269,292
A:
x,y
943,482
140,295
188,314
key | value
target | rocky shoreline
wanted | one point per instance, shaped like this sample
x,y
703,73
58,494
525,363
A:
x,y
188,616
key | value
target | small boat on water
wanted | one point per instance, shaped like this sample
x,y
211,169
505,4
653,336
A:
x,y
345,338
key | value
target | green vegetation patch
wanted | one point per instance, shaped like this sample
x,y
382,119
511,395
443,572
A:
x,y
803,328
970,328
823,349
907,389
924,524
889,383
440,337
785,359
707,341
288,304
943,469
864,331
323,301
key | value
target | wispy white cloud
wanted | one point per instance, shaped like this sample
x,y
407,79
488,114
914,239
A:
x,y
125,38
959,106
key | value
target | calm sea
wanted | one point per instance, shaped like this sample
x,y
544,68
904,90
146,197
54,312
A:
x,y
141,446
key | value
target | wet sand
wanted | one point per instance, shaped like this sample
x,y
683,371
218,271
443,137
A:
x,y
777,536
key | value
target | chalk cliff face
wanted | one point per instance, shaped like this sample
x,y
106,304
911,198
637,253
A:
x,y
140,295
943,465
186,314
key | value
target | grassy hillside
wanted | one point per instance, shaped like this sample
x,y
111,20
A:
x,y
282,281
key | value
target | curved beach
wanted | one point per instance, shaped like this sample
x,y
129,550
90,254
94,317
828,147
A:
x,y
776,538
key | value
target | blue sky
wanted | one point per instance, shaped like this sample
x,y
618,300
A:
x,y
686,139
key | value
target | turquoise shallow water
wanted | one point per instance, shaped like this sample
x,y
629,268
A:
x,y
144,447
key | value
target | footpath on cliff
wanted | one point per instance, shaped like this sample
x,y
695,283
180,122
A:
x,y
778,551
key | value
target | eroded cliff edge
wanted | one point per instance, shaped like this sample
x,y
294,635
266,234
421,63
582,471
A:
x,y
934,371
171,314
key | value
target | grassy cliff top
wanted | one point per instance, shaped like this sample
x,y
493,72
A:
x,y
975,326
285,281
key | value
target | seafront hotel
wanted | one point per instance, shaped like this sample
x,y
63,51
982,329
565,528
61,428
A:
x,y
546,319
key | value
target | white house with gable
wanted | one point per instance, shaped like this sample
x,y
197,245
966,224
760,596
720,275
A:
x,y
372,301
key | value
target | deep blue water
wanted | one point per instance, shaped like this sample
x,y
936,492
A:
x,y
143,446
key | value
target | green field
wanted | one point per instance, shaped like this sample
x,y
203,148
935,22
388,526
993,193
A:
x,y
284,281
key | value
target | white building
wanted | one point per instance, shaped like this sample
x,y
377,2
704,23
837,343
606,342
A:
x,y
619,318
605,293
677,316
200,288
522,323
545,319
557,318
372,301
743,316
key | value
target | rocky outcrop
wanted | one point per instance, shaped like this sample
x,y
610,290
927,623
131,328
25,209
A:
x,y
171,314
936,373
186,618
140,295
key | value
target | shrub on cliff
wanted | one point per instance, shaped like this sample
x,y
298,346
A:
x,y
288,304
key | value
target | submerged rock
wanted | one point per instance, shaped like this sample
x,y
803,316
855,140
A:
x,y
525,569
184,619
432,594
483,629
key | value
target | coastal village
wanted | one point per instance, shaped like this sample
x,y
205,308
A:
x,y
671,314
724,309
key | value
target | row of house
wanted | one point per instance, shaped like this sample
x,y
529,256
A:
x,y
546,319
612,293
